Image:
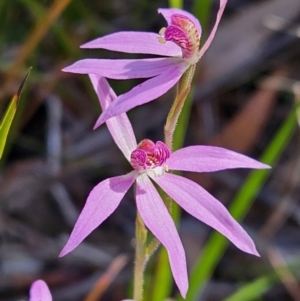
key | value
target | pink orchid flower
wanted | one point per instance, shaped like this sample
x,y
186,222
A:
x,y
39,291
178,44
151,162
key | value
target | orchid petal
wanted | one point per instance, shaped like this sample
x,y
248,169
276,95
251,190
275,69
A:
x,y
123,69
203,158
100,204
143,93
158,220
135,42
168,12
119,126
203,206
213,32
39,291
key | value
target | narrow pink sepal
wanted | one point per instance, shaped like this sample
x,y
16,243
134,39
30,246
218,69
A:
x,y
100,204
203,206
135,42
168,12
39,291
158,220
213,32
119,126
143,93
123,69
203,158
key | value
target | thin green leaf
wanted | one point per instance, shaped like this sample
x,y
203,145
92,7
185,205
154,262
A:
x,y
217,244
255,289
9,115
201,10
175,3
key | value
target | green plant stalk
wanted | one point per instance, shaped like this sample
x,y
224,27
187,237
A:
x,y
176,3
140,258
217,244
183,89
201,10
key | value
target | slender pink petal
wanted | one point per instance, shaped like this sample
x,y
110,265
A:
x,y
158,220
100,204
143,93
39,291
203,158
199,203
119,126
168,12
135,42
213,32
123,69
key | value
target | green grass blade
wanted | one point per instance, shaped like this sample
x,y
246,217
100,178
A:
x,y
201,10
255,289
9,116
217,244
175,3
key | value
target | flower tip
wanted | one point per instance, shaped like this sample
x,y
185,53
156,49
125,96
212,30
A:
x,y
39,291
264,166
251,249
98,123
66,69
85,45
64,252
254,252
183,293
103,118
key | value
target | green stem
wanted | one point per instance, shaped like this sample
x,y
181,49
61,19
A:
x,y
140,259
183,89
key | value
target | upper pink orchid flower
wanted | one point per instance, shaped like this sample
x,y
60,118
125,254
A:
x,y
178,43
151,162
39,291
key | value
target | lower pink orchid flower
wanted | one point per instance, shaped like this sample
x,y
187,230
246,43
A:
x,y
151,163
178,44
39,291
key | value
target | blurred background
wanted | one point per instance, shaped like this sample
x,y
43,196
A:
x,y
244,98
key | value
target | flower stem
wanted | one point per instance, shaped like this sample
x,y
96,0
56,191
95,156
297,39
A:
x,y
183,89
140,258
